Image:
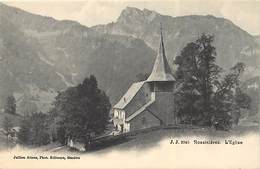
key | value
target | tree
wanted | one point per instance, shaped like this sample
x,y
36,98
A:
x,y
24,135
82,110
197,73
204,97
7,125
229,99
10,106
208,72
34,130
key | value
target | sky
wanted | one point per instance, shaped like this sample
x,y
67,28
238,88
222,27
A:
x,y
244,13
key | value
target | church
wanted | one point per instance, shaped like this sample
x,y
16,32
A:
x,y
148,103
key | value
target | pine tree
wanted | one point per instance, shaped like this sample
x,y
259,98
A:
x,y
7,125
10,106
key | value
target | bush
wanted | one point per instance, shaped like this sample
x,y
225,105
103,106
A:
x,y
34,130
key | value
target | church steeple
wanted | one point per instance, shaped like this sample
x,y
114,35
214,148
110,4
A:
x,y
161,69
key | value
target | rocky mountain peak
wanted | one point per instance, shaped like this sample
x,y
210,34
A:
x,y
133,15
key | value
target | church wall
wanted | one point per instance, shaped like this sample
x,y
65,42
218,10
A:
x,y
144,120
140,99
163,86
163,107
118,116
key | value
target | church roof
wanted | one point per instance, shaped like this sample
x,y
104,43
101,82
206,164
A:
x,y
161,69
142,109
129,95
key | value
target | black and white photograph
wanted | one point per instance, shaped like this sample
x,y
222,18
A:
x,y
130,84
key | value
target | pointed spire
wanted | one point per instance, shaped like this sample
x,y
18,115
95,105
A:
x,y
161,42
161,69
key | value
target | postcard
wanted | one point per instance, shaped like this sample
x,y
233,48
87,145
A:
x,y
130,84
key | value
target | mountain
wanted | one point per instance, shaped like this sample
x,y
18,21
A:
x,y
15,118
252,87
40,56
232,43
